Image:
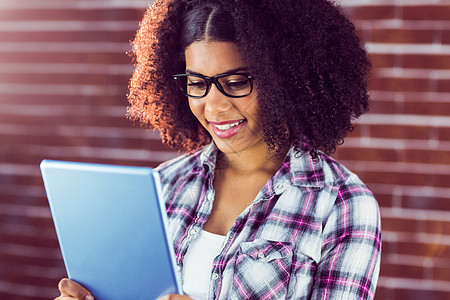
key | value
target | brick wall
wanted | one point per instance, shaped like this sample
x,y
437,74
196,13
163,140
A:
x,y
401,149
63,83
63,77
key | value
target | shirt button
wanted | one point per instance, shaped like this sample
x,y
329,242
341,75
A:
x,y
215,276
261,255
192,232
210,196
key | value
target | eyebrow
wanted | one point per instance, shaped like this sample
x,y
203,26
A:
x,y
226,72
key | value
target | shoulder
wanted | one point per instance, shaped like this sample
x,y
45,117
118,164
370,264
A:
x,y
353,199
178,165
340,188
173,170
351,229
340,177
324,171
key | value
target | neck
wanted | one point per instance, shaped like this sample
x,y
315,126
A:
x,y
250,162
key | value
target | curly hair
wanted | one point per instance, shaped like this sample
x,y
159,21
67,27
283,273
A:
x,y
309,66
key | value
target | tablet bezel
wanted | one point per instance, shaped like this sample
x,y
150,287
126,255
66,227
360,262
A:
x,y
111,224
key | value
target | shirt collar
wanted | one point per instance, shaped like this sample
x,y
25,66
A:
x,y
305,171
208,156
298,167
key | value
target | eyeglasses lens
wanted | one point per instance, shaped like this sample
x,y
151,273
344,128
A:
x,y
235,85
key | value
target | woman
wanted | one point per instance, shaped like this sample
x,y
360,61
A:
x,y
257,93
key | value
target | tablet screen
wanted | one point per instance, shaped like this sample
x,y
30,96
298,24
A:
x,y
112,229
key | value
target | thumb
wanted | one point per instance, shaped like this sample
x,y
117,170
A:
x,y
70,288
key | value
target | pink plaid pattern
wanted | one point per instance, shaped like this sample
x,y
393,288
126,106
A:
x,y
312,232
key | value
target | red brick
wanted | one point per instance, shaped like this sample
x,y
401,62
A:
x,y
20,195
395,177
39,223
357,154
49,140
426,12
423,249
32,260
417,294
54,140
393,155
399,84
94,36
114,14
388,247
75,57
383,293
61,120
38,241
48,78
384,107
383,60
437,226
58,100
427,108
402,271
400,131
440,180
441,273
446,37
358,131
400,225
444,132
10,295
19,275
426,203
422,61
364,35
443,85
383,199
122,143
401,36
427,157
19,179
371,12
17,154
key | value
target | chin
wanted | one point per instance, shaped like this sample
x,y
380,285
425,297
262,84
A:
x,y
238,145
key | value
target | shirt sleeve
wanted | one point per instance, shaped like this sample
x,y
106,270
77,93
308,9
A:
x,y
350,256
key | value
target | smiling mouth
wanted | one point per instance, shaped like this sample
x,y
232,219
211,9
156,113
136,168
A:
x,y
227,126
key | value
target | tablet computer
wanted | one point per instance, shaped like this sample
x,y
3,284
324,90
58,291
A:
x,y
111,225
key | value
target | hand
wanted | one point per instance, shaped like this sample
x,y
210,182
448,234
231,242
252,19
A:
x,y
71,290
175,297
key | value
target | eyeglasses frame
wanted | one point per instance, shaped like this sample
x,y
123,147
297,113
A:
x,y
215,80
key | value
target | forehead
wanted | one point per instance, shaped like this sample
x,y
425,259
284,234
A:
x,y
211,57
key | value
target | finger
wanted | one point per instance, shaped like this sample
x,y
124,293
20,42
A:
x,y
70,288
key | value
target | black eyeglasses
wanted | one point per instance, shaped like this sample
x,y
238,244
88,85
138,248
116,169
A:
x,y
234,85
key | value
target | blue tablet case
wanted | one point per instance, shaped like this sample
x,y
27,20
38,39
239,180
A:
x,y
112,229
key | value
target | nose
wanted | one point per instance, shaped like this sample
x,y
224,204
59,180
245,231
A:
x,y
216,102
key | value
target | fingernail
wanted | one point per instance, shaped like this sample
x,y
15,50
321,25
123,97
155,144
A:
x,y
89,297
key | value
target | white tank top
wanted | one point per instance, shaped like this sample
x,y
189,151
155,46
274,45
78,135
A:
x,y
197,264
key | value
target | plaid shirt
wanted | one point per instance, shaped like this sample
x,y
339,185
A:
x,y
313,231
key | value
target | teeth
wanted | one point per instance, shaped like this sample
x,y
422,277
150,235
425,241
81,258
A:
x,y
227,126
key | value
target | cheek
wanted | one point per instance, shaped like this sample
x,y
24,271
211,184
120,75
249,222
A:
x,y
251,107
196,109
